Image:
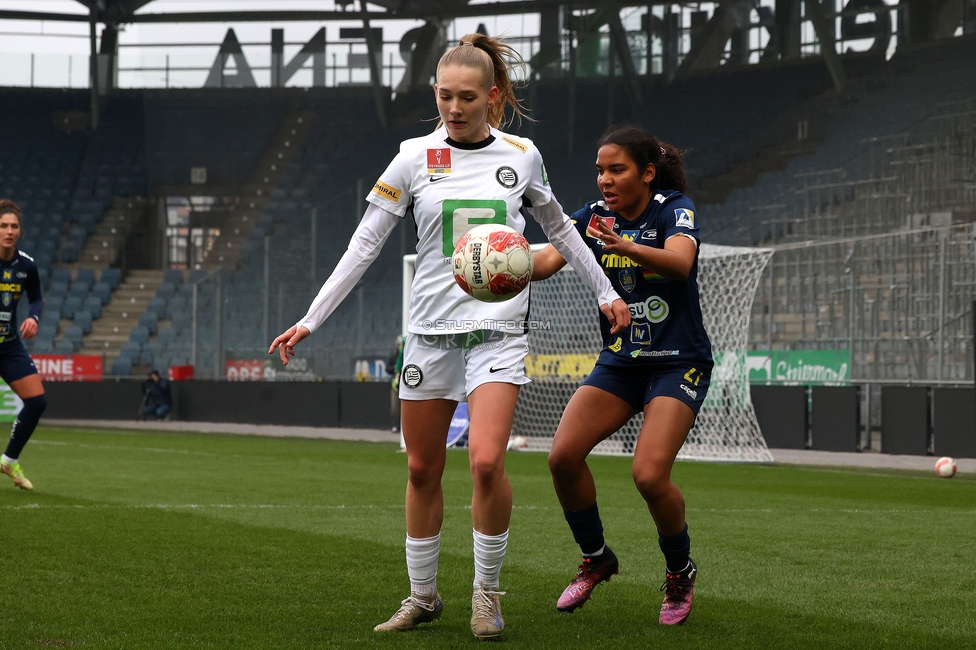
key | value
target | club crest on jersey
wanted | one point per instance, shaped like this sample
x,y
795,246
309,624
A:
x,y
593,228
412,376
628,280
684,218
640,333
506,177
439,161
6,299
629,235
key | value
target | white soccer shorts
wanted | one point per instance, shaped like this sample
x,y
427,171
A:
x,y
451,366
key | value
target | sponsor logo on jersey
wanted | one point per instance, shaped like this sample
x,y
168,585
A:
x,y
684,218
592,227
412,376
693,394
386,191
439,161
616,345
655,353
628,279
649,234
545,176
640,333
21,275
614,261
6,274
506,177
660,198
6,315
13,287
629,235
515,143
653,309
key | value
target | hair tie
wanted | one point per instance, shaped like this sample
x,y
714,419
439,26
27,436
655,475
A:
x,y
663,152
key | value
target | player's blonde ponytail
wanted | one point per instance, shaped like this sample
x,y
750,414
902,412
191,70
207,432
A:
x,y
495,60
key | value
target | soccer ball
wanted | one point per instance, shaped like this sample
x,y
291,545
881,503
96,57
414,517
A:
x,y
945,467
492,262
517,442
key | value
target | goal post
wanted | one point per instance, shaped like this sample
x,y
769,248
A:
x,y
565,343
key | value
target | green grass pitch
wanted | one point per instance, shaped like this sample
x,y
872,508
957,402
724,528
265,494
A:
x,y
162,540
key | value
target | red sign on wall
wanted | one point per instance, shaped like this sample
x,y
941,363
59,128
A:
x,y
244,370
76,367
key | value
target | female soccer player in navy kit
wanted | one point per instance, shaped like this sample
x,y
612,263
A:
x,y
464,173
19,275
645,234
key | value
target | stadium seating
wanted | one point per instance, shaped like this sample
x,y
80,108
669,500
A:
x,y
72,305
139,335
131,350
121,367
112,277
93,305
83,319
149,320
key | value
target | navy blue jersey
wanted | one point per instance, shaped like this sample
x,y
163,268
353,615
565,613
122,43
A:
x,y
17,275
666,326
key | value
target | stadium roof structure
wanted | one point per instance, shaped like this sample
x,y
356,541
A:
x,y
125,11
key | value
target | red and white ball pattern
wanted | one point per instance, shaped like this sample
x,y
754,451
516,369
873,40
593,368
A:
x,y
492,262
945,467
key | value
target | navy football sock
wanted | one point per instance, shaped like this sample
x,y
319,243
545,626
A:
x,y
587,529
25,424
676,549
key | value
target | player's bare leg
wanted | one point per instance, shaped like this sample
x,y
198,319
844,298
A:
x,y
591,416
31,391
425,425
667,422
492,408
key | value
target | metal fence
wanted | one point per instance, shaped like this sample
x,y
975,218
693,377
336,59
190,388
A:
x,y
880,257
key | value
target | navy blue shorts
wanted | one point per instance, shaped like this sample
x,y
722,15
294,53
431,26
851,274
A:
x,y
638,385
15,363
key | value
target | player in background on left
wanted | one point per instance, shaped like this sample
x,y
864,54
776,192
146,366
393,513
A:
x,y
18,274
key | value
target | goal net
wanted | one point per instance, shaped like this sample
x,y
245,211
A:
x,y
563,349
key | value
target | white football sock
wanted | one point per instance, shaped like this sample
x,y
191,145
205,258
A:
x,y
489,552
7,459
422,557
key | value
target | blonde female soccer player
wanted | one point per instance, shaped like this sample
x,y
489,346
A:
x,y
646,235
465,173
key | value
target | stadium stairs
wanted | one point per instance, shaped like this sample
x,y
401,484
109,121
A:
x,y
120,316
244,223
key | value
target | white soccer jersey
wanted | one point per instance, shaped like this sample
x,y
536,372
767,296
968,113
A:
x,y
451,188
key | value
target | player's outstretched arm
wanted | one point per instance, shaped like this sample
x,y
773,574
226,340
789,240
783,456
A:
x,y
286,342
571,247
364,247
546,263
